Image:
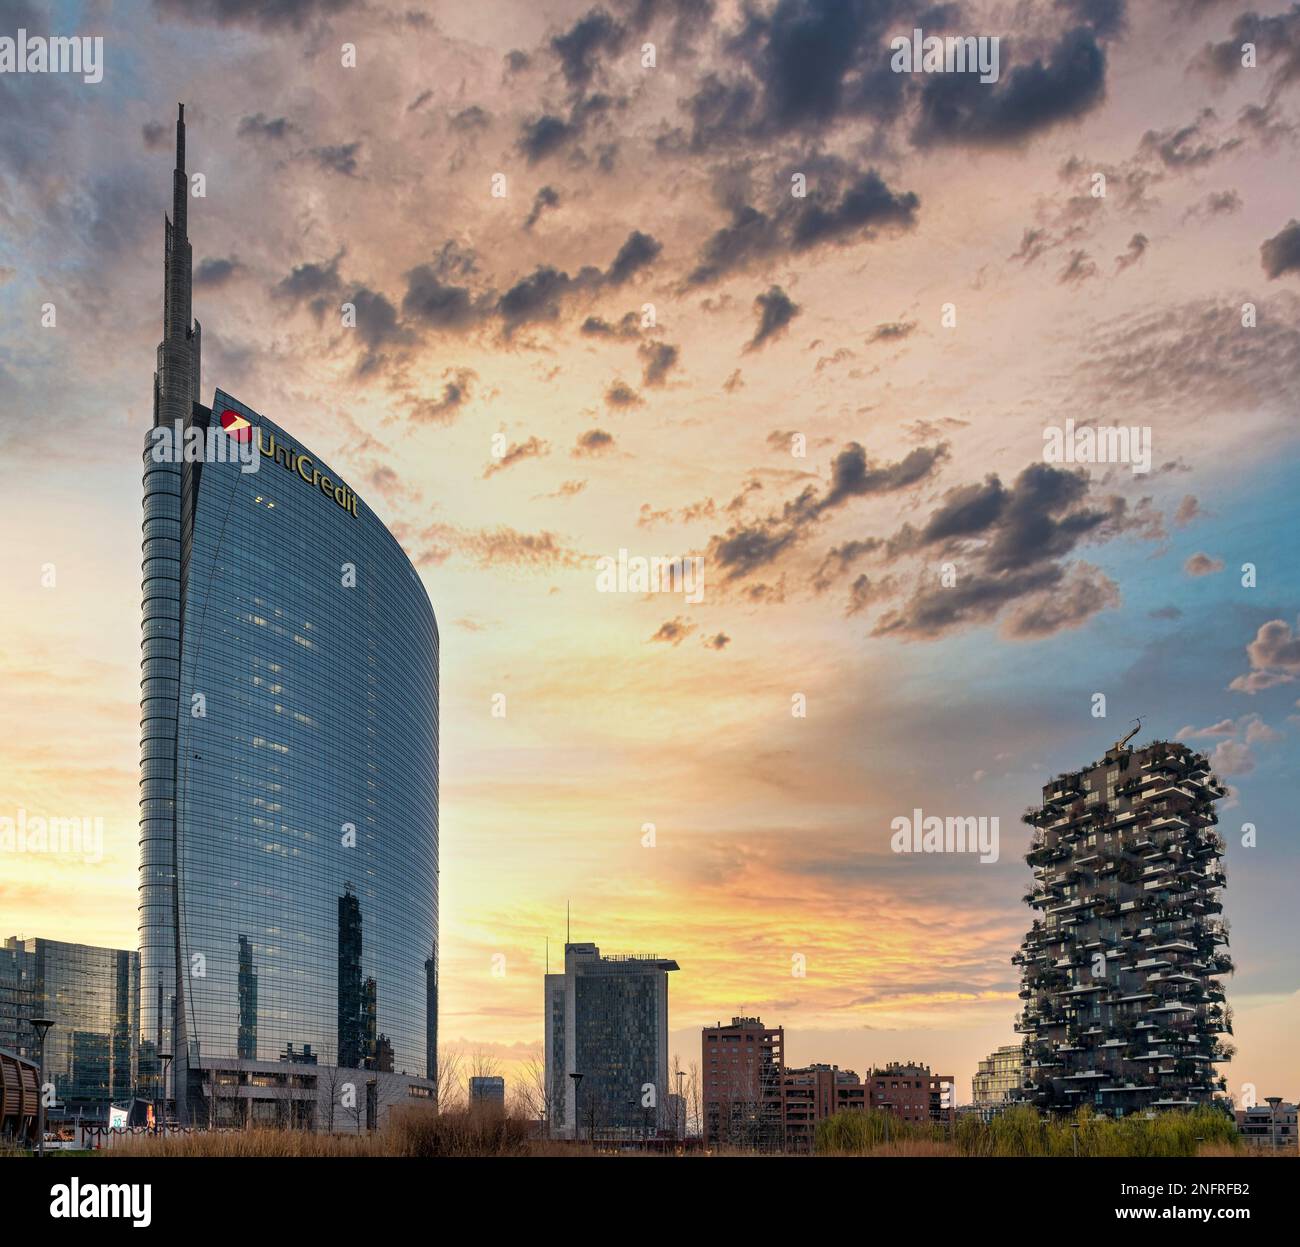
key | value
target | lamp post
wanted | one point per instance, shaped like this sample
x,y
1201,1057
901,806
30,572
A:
x,y
886,1105
42,1028
160,1118
681,1100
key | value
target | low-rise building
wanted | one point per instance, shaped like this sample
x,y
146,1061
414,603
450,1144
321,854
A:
x,y
999,1074
913,1094
1269,1125
812,1094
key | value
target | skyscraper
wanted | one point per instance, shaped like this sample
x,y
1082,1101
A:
x,y
91,995
607,1021
1122,1008
289,753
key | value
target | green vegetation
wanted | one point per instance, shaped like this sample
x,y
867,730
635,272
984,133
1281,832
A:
x,y
1020,1131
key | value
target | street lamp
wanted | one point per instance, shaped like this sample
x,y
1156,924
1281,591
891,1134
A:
x,y
886,1105
159,1118
681,1100
42,1028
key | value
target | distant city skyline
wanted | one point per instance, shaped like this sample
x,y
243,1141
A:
x,y
620,353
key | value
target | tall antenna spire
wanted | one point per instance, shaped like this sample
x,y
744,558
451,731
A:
x,y
567,932
176,383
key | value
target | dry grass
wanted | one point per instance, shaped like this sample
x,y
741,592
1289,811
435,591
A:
x,y
409,1132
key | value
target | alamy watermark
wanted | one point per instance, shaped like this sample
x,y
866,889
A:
x,y
921,833
175,443
1099,444
637,574
59,54
65,837
954,54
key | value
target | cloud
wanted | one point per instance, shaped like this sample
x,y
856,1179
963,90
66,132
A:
x,y
1188,147
841,208
546,197
1274,658
507,546
674,631
659,359
958,108
891,331
516,452
266,14
260,126
775,312
214,272
1281,253
456,391
593,442
1201,564
719,641
341,159
1232,757
1137,247
747,547
1188,509
621,396
1078,269
1007,548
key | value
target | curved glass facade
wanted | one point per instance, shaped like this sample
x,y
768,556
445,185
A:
x,y
289,844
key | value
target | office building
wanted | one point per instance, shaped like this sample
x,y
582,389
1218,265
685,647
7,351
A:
x,y
999,1075
487,1091
742,1067
289,762
91,995
1123,1008
607,1045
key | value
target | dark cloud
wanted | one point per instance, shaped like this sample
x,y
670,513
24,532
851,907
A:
x,y
892,331
341,159
267,14
842,207
214,272
746,547
659,359
959,108
156,136
1006,546
1190,146
578,47
378,328
636,253
719,641
260,126
547,197
1281,253
470,119
620,395
436,303
629,326
310,281
1277,42
545,134
593,442
775,312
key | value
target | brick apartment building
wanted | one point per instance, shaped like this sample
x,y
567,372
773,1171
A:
x,y
913,1094
812,1094
743,1067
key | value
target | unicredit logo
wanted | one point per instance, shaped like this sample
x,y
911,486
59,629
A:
x,y
236,425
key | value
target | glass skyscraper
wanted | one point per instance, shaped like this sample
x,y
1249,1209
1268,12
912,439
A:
x,y
90,994
289,758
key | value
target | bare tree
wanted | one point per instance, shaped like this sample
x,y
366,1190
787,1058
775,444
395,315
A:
x,y
449,1084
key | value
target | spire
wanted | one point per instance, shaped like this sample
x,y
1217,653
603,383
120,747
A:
x,y
176,382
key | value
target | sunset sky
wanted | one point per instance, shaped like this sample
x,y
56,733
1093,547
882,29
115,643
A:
x,y
622,351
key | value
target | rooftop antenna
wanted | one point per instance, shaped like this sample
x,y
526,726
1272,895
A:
x,y
567,932
1120,744
548,954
